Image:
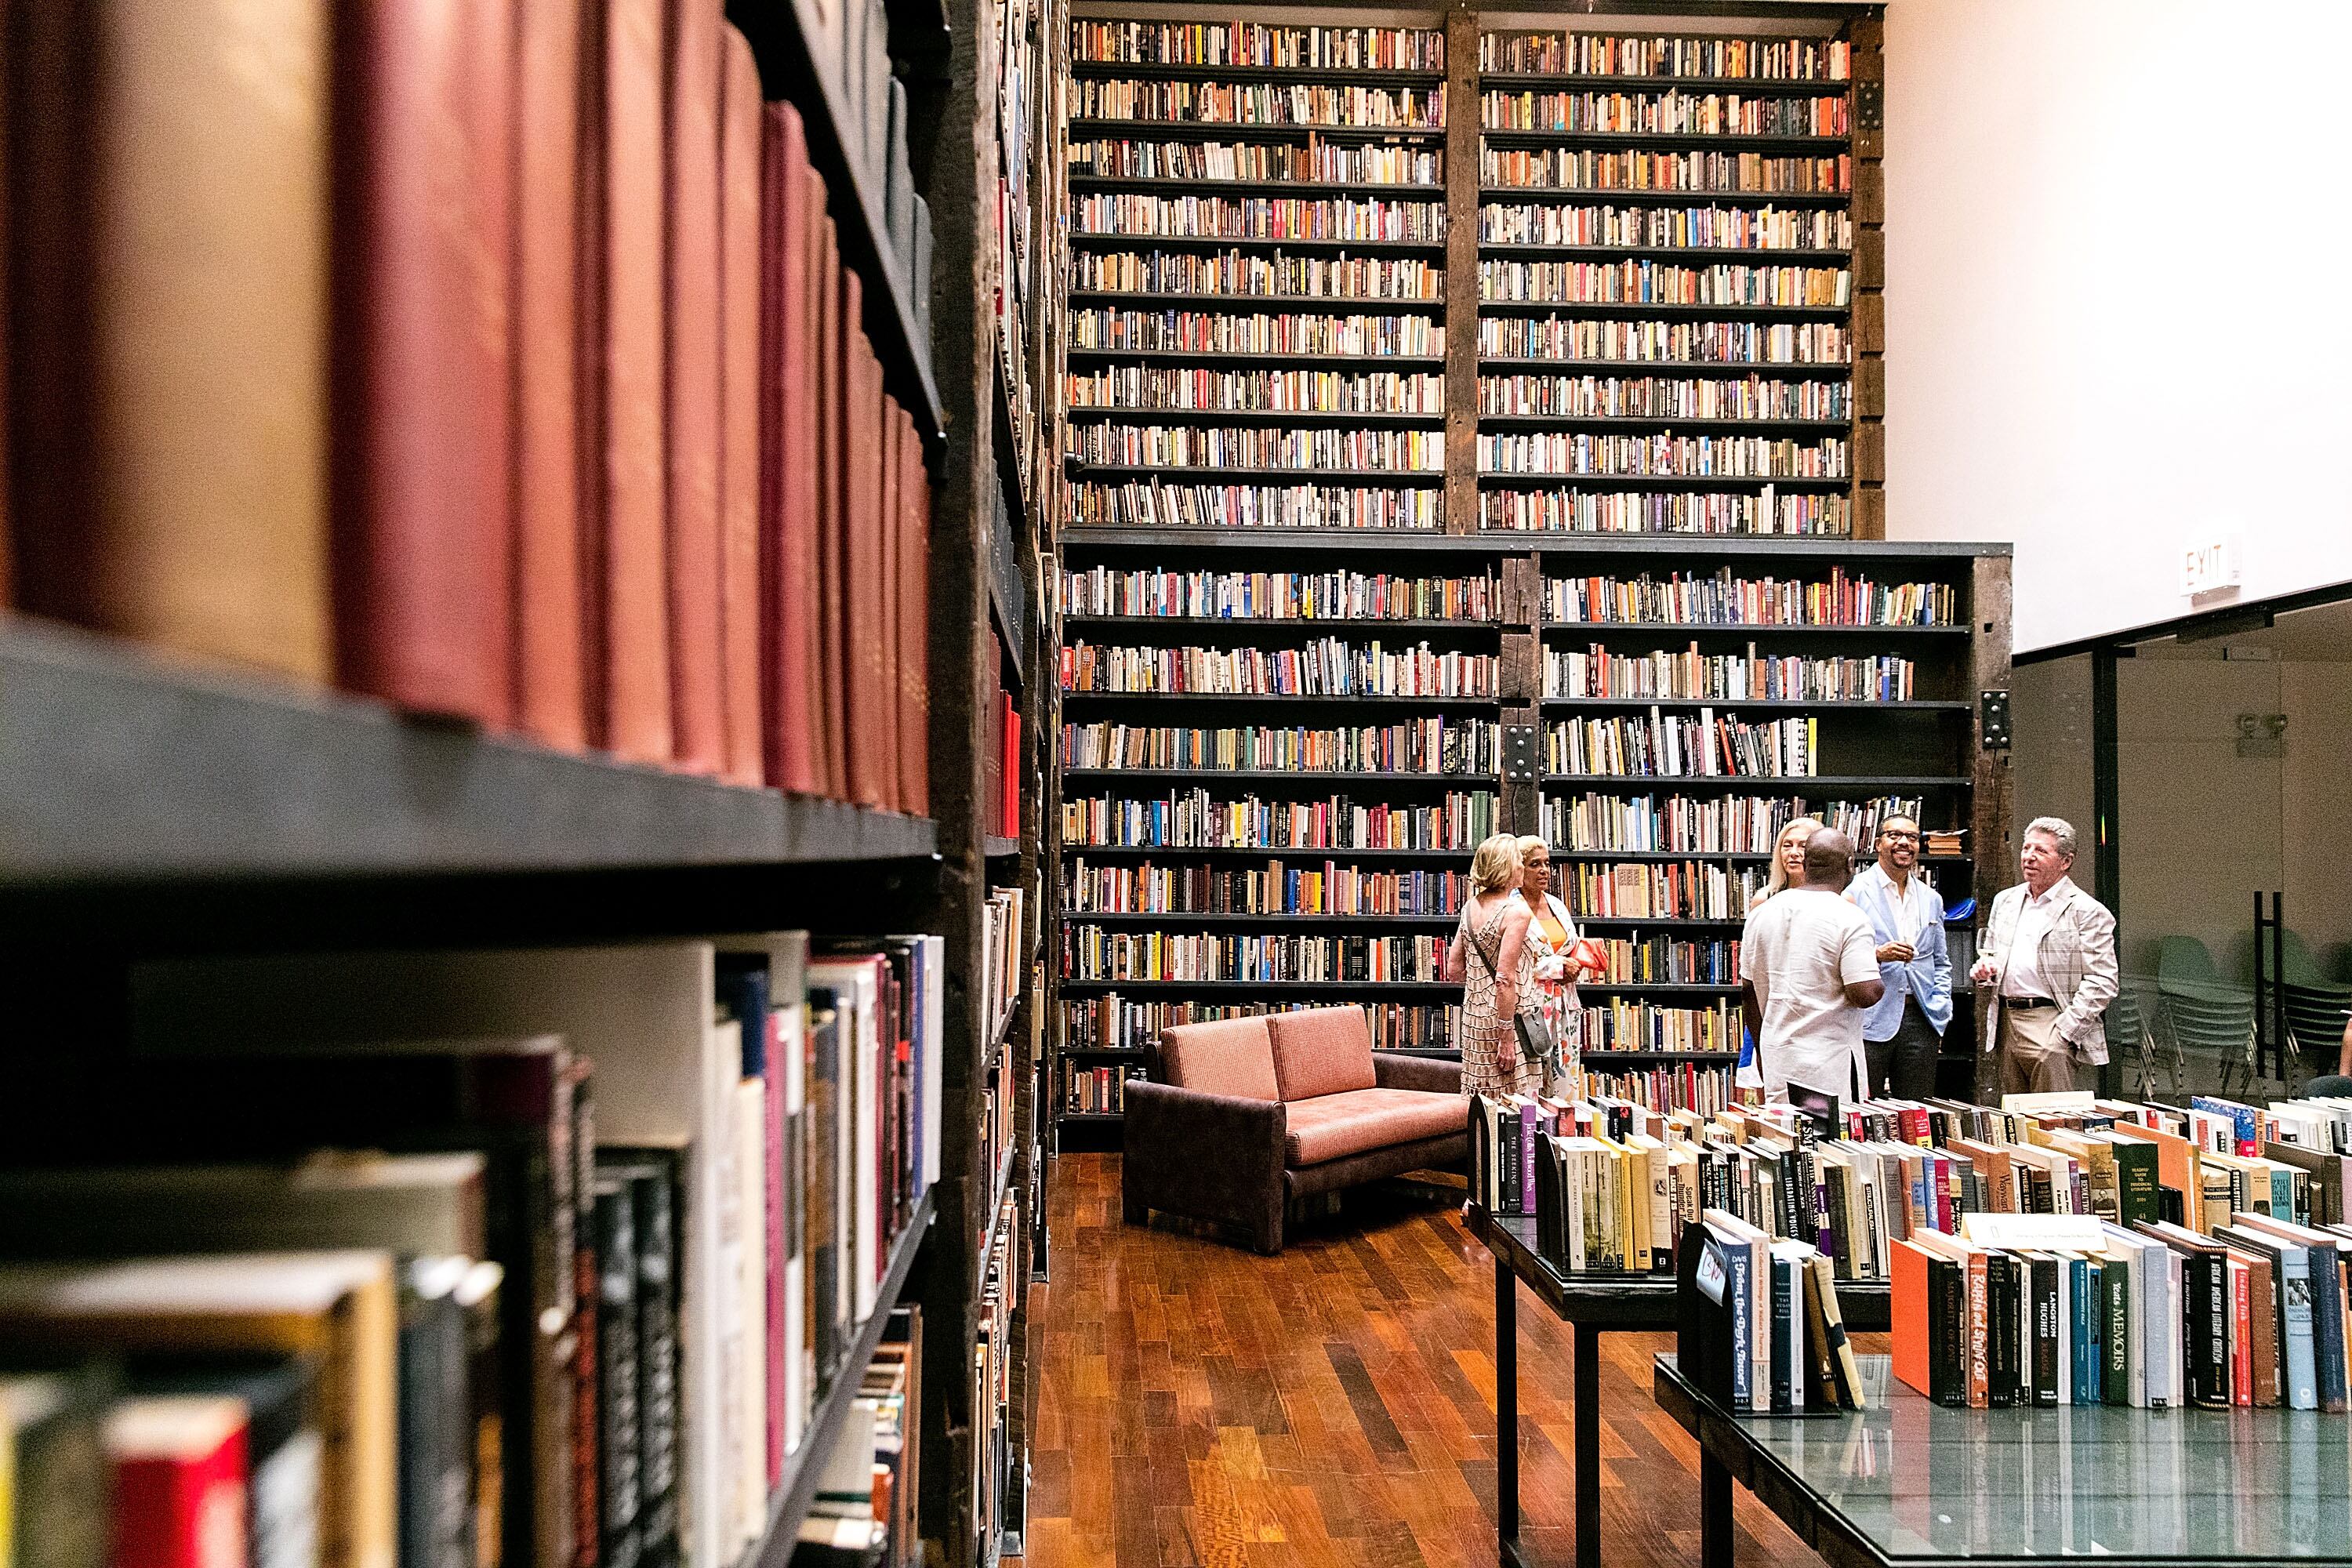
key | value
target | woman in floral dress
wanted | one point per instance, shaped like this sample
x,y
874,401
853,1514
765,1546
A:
x,y
1491,957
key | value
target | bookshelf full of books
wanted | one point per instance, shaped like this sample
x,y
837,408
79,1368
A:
x,y
1308,601
506,1064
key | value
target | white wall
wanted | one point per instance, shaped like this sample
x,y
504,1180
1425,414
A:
x,y
2115,310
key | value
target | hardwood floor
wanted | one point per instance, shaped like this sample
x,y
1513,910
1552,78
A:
x,y
1199,1406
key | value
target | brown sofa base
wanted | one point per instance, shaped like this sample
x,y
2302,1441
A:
x,y
1449,1153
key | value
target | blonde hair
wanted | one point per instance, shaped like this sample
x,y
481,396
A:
x,y
1494,868
1778,881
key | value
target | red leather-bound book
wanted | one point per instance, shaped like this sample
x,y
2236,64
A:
x,y
914,626
631,578
861,564
742,753
787,477
696,705
886,637
421,517
549,667
841,300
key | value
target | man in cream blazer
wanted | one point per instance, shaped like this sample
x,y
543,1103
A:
x,y
2049,955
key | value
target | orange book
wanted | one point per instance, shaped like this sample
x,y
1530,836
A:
x,y
915,624
888,636
692,387
742,123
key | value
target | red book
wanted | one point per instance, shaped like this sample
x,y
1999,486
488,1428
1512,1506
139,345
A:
x,y
743,754
631,571
887,636
1010,826
179,1482
814,465
843,303
914,623
696,706
859,564
549,664
421,563
787,477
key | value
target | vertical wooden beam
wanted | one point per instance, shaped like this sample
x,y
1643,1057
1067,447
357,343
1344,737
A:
x,y
1520,682
1991,801
1867,101
1461,268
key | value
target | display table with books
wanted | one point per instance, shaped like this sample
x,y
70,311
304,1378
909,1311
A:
x,y
1907,1480
1593,1304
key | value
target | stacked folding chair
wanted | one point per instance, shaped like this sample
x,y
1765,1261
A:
x,y
2205,1013
2316,1004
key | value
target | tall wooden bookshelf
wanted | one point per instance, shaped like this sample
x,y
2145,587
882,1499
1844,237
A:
x,y
1636,382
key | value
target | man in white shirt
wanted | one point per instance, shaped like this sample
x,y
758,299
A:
x,y
1808,967
1902,1036
2050,956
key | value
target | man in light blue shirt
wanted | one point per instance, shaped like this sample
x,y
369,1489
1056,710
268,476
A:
x,y
1903,1033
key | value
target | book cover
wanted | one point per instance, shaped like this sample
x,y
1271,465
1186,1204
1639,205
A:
x,y
692,390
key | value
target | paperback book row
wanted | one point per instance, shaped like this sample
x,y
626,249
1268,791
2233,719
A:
x,y
1325,666
1279,595
1260,332
1329,888
1611,54
1755,397
1256,44
1193,819
1433,745
863,1515
1568,510
1670,111
1256,450
1112,1023
1259,218
1737,825
1149,503
1698,173
1641,890
1145,388
1309,163
1258,104
1672,746
1841,599
1558,338
1665,456
1092,953
427,1290
1239,276
1691,675
1712,227
1660,283
507,372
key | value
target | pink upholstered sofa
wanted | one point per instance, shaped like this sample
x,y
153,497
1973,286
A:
x,y
1243,1115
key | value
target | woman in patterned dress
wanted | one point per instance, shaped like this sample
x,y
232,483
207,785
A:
x,y
1491,957
1551,932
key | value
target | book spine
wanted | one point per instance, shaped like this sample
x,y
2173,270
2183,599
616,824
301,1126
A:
x,y
1784,1330
2114,1374
2328,1328
2295,1318
1743,1331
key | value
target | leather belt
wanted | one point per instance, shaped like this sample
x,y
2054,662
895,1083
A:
x,y
2029,1002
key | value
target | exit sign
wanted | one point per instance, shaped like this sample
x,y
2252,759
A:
x,y
2210,566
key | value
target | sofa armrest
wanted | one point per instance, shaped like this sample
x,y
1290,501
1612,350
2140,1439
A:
x,y
1212,1157
1436,1074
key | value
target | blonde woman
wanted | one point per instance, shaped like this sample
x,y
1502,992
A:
x,y
1551,932
1491,958
1788,870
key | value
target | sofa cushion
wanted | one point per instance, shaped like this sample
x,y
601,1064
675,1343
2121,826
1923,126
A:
x,y
1224,1056
1321,1050
1334,1126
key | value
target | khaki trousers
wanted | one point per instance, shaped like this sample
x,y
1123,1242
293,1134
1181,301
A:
x,y
2033,1060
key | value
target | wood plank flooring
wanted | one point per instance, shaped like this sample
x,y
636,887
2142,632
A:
x,y
1199,1406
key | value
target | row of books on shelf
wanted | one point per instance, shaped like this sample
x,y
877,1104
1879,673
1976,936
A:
x,y
1665,111
1149,503
1006,941
851,45
549,1297
1111,1022
1705,172
994,1388
1712,513
1433,745
1275,890
1614,54
1259,103
1258,43
1735,824
1757,397
1632,282
1568,339
1666,456
1001,775
1841,599
1337,595
1239,275
1712,227
1777,1344
1259,218
863,1515
538,451
1324,667
1674,746
1619,1025
1092,953
1095,1091
1146,387
1312,161
1690,676
1259,333
1194,819
1249,449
